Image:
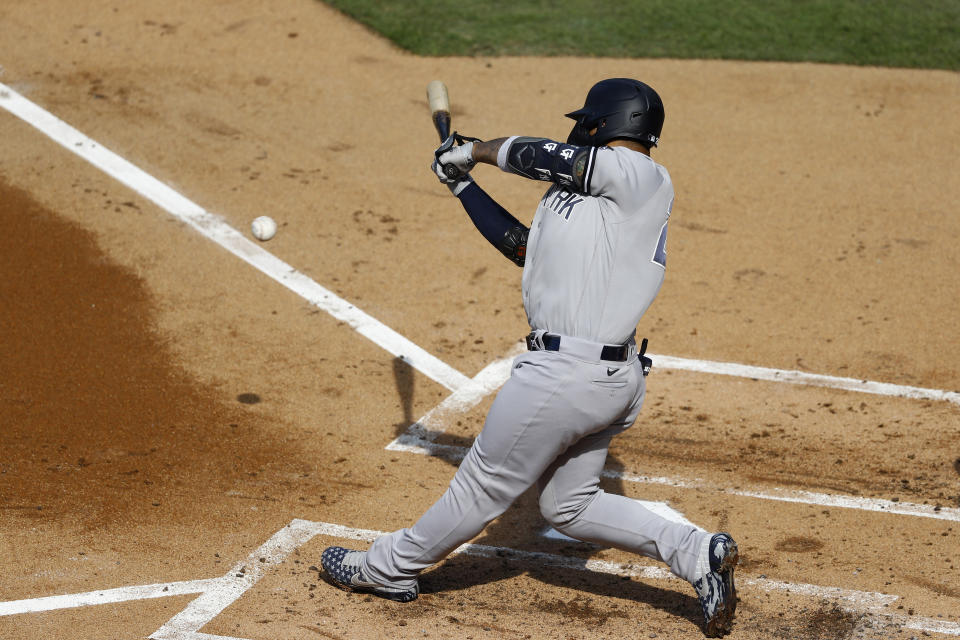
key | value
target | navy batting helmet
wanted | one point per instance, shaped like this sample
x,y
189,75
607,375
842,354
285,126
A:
x,y
619,108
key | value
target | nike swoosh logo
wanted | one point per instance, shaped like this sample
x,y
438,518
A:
x,y
357,581
610,371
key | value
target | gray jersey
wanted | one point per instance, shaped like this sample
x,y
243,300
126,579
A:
x,y
596,255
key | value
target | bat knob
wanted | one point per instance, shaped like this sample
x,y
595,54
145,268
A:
x,y
451,171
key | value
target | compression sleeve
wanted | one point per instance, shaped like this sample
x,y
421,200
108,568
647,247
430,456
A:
x,y
495,223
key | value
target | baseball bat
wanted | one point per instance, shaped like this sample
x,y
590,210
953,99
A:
x,y
439,101
439,107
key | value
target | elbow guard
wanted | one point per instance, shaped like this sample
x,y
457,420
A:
x,y
514,244
541,159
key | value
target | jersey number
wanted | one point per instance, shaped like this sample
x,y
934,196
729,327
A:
x,y
660,255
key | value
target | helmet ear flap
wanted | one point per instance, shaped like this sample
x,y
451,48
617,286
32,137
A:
x,y
586,122
578,135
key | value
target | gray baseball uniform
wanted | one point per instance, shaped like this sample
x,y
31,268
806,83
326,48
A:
x,y
595,260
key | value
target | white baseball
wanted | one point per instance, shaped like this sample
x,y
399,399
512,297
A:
x,y
263,228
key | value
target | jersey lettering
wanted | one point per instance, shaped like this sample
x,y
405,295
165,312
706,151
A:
x,y
558,196
563,202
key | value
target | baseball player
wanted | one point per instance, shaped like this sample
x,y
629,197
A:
x,y
593,260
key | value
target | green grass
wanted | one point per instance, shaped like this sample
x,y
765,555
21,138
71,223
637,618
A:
x,y
890,33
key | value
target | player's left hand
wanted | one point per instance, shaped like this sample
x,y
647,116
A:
x,y
453,162
438,170
456,185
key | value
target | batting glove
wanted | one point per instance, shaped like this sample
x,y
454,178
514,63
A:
x,y
456,185
455,162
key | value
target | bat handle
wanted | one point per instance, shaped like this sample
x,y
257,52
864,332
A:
x,y
441,122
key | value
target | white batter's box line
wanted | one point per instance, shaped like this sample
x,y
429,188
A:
x,y
492,377
454,453
197,635
187,628
428,428
246,573
421,446
105,596
215,228
219,593
866,602
804,378
470,394
804,497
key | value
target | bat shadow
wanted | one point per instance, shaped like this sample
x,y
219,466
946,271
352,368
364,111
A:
x,y
404,379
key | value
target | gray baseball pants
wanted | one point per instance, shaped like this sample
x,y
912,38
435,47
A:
x,y
551,423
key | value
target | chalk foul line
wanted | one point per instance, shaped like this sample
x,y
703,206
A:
x,y
427,447
217,594
420,437
215,228
105,596
804,378
804,497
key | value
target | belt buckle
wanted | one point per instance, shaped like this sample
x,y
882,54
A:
x,y
535,341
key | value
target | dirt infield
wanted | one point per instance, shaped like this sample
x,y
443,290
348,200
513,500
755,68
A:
x,y
172,418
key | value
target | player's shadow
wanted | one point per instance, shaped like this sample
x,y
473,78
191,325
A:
x,y
522,527
464,572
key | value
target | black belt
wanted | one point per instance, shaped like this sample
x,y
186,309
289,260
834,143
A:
x,y
551,342
615,353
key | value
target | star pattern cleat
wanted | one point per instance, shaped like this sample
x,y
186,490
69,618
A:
x,y
716,590
343,569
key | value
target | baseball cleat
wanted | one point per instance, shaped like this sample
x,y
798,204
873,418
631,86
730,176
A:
x,y
343,568
715,590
